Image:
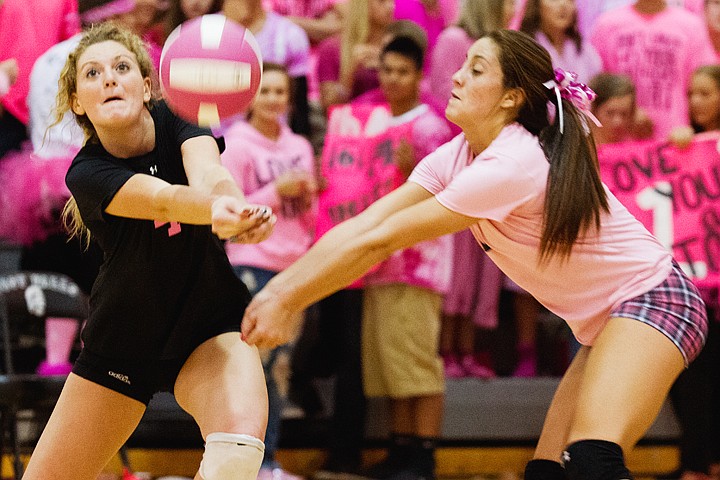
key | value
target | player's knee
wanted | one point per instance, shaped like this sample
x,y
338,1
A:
x,y
595,460
544,470
231,456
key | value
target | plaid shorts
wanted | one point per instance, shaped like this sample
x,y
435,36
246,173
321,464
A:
x,y
674,308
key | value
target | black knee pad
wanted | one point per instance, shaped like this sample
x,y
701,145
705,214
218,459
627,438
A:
x,y
544,470
595,460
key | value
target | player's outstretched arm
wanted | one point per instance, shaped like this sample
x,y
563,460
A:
x,y
403,218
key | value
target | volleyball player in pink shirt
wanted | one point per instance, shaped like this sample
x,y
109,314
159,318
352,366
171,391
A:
x,y
530,191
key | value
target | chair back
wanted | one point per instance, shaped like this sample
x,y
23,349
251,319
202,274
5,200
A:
x,y
29,296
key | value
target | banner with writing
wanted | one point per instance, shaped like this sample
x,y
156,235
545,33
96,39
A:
x,y
357,161
675,193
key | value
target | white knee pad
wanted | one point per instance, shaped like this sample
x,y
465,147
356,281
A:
x,y
231,456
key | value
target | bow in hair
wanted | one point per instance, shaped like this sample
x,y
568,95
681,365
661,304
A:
x,y
566,86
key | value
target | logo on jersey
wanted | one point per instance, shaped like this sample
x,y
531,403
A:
x,y
153,170
120,376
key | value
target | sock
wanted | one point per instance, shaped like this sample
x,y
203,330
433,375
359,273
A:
x,y
60,336
424,454
539,469
595,460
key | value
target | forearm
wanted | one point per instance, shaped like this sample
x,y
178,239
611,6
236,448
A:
x,y
183,204
317,29
341,256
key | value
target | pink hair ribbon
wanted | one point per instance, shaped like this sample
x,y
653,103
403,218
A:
x,y
566,86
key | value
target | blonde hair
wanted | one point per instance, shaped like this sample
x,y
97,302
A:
x,y
67,88
356,31
479,17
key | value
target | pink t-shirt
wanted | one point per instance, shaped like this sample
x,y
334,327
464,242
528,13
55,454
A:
x,y
283,42
659,52
433,22
255,162
585,62
27,30
504,187
427,264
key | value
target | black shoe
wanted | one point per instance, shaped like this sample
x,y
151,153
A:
x,y
412,473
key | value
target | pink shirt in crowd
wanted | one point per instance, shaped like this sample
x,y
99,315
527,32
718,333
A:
x,y
504,187
305,9
585,62
433,22
255,162
427,264
283,42
27,29
659,52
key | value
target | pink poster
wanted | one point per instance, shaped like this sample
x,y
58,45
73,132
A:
x,y
676,194
357,162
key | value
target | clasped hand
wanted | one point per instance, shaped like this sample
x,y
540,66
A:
x,y
236,221
268,322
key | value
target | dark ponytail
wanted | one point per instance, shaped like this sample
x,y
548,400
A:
x,y
575,198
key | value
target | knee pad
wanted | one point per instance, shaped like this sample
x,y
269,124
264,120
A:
x,y
595,460
231,456
544,470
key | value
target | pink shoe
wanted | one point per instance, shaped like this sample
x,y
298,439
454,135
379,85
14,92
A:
x,y
527,364
453,369
473,368
47,370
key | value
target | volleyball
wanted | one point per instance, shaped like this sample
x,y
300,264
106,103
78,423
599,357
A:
x,y
210,69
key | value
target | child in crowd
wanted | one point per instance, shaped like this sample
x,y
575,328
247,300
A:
x,y
614,107
275,167
403,296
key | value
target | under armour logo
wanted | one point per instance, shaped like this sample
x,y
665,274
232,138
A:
x,y
153,170
565,457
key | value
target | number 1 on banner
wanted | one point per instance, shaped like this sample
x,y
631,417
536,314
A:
x,y
658,199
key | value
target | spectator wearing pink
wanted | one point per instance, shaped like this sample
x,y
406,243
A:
x,y
8,75
590,10
281,42
407,28
27,29
613,106
275,166
473,299
553,23
348,62
658,47
432,15
321,19
712,19
476,19
403,296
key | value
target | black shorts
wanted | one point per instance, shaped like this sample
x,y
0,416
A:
x,y
141,378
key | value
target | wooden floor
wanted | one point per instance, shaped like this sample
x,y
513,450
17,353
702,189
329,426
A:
x,y
452,463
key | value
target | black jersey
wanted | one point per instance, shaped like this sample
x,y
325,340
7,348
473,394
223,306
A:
x,y
159,284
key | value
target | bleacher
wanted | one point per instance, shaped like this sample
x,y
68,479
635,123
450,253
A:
x,y
490,427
